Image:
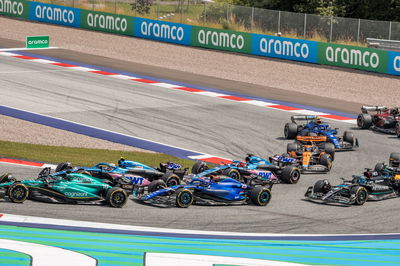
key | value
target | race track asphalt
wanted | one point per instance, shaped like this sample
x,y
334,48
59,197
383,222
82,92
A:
x,y
211,125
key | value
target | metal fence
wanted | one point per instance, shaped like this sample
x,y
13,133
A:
x,y
257,20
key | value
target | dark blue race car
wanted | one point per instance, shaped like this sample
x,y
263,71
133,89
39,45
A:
x,y
137,172
314,126
209,191
276,169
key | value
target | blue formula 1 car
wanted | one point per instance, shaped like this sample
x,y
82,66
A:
x,y
315,127
209,191
138,173
276,169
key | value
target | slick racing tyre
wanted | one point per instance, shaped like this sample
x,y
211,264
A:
x,y
199,167
260,196
157,185
364,121
349,137
63,166
329,148
171,179
321,186
290,130
232,173
18,193
290,174
184,198
397,127
116,197
360,194
326,160
290,147
394,159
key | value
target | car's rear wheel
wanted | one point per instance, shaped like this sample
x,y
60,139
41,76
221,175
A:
x,y
184,198
394,159
171,179
364,121
116,197
290,130
291,147
329,148
156,185
360,193
260,196
17,193
397,128
326,160
348,136
232,173
290,174
199,167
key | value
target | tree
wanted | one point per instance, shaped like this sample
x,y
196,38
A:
x,y
142,6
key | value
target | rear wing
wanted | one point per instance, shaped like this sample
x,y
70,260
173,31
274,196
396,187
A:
x,y
365,109
311,138
296,118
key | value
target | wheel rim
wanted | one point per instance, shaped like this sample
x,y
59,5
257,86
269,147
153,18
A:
x,y
185,198
171,182
264,197
18,193
362,196
295,175
118,198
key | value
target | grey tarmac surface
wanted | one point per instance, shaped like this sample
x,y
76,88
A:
x,y
216,126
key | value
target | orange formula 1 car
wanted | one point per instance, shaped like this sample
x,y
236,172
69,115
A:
x,y
313,153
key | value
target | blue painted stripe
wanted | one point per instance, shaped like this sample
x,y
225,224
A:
x,y
307,107
95,132
202,236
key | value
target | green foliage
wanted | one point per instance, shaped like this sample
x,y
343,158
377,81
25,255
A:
x,y
364,9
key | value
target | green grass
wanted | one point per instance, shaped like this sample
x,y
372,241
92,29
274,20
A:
x,y
81,156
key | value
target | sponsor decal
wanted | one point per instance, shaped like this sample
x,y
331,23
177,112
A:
x,y
286,48
76,194
162,31
14,8
37,41
136,179
221,39
394,63
353,57
265,175
106,22
54,14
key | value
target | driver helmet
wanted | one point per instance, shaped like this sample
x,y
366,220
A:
x,y
317,120
120,161
394,111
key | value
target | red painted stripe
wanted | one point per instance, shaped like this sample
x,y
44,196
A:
x,y
188,89
1,215
234,98
145,80
63,65
216,160
336,117
283,107
102,72
6,160
25,57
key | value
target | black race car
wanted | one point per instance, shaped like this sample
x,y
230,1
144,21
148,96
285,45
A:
x,y
381,183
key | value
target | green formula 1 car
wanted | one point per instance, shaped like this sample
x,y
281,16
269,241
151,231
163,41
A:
x,y
66,188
